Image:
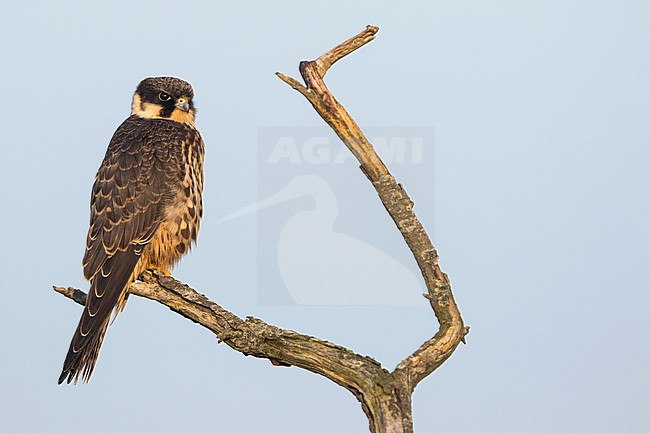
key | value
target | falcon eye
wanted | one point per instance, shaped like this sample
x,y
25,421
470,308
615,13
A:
x,y
164,97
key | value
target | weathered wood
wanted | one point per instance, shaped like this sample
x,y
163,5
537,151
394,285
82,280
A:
x,y
385,396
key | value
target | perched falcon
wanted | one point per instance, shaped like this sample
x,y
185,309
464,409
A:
x,y
145,208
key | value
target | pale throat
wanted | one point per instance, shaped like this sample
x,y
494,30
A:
x,y
147,110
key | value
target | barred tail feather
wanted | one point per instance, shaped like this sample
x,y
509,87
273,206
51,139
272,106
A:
x,y
107,294
82,354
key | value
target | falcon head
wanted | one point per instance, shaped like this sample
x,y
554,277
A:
x,y
164,98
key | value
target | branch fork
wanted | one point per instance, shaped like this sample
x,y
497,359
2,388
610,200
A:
x,y
385,396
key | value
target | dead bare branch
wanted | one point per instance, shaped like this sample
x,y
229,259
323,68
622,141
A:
x,y
385,396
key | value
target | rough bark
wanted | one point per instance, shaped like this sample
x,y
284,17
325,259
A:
x,y
384,396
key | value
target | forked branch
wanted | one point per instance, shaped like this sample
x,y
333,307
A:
x,y
385,396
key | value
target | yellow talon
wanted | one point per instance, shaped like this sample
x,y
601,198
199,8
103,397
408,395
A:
x,y
163,271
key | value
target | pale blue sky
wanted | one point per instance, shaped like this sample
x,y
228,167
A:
x,y
540,209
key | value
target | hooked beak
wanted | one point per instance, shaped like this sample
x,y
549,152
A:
x,y
183,104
